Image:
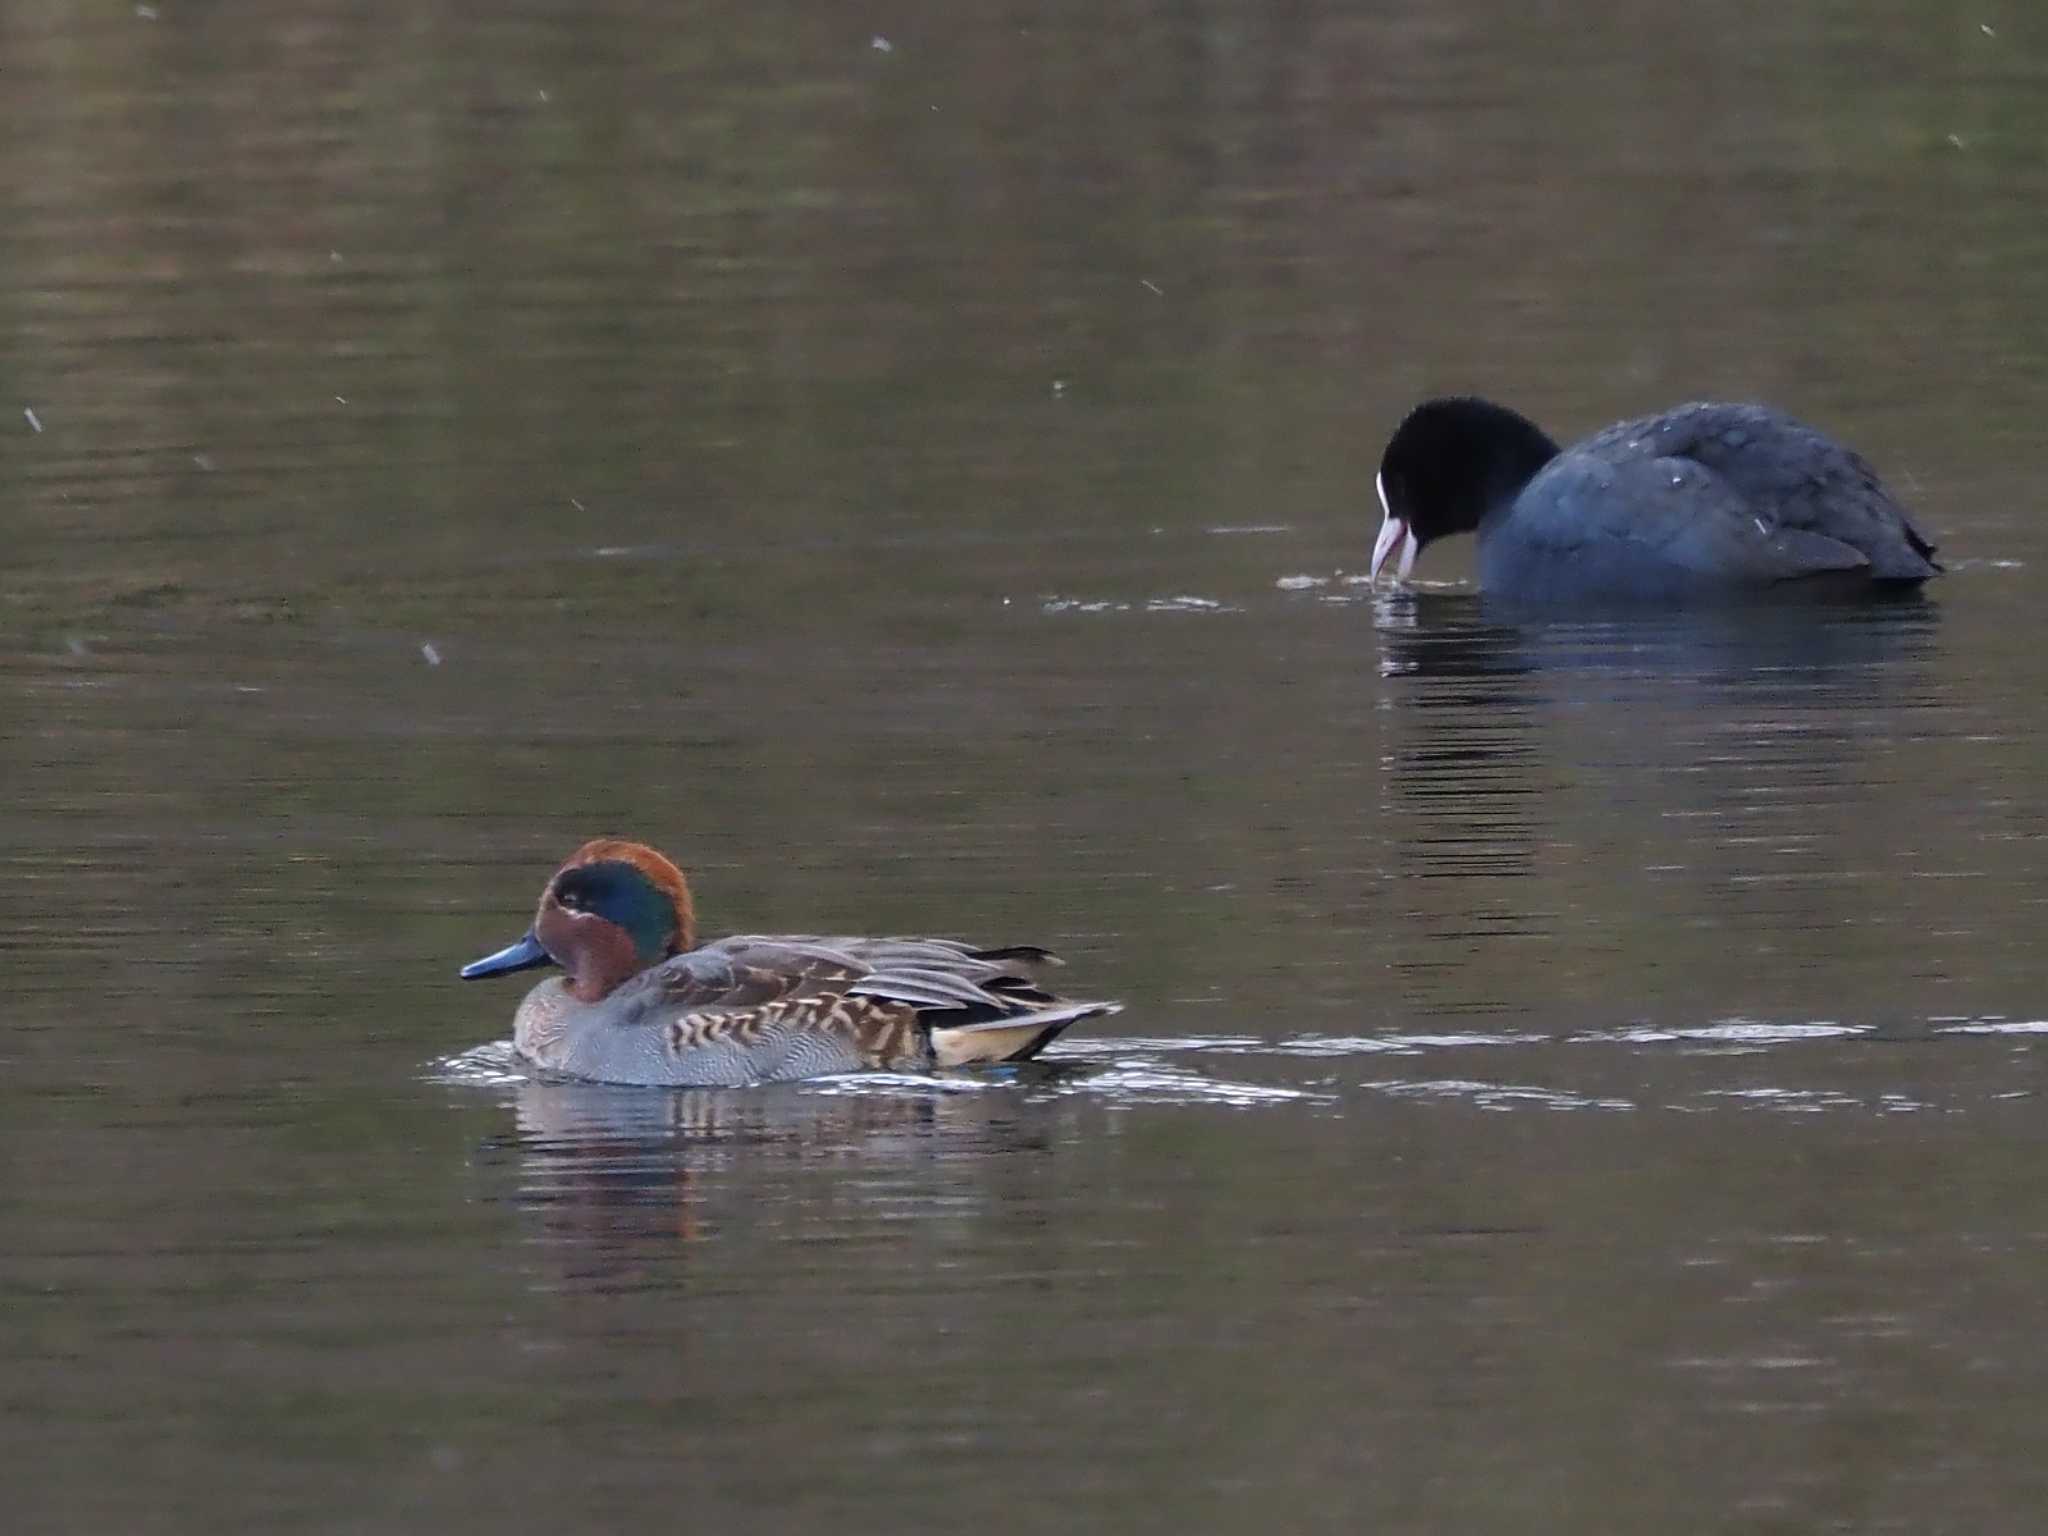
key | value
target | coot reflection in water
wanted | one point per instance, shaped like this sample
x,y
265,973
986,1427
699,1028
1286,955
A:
x,y
1465,635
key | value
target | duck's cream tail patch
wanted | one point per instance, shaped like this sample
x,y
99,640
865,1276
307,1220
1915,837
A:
x,y
975,1045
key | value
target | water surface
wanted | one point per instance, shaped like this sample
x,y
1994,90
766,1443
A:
x,y
914,467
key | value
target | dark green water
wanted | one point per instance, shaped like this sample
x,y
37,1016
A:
x,y
1578,1079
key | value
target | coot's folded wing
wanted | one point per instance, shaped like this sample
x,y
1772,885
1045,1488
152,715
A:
x,y
1647,527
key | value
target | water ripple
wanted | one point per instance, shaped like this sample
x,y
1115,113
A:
x,y
1494,1096
1727,1032
1142,1069
1138,1081
1182,602
1994,1027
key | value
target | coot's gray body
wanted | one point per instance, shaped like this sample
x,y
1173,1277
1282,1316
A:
x,y
1702,501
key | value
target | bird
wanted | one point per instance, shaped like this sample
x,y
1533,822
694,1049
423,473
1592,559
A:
x,y
1706,500
642,1002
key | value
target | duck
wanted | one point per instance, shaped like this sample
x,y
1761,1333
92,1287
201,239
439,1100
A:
x,y
641,1001
1705,500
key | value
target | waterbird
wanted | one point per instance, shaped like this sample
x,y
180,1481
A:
x,y
642,1002
1706,500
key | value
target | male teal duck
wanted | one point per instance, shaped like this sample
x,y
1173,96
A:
x,y
643,1002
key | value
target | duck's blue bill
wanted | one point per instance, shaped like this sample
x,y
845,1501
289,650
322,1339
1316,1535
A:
x,y
523,956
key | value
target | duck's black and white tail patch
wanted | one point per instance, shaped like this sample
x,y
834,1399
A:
x,y
1011,1039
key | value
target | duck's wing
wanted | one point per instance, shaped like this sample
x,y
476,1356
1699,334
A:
x,y
1658,526
795,1005
978,1005
1785,472
747,970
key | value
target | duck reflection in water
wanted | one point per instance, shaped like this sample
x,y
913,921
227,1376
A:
x,y
616,1177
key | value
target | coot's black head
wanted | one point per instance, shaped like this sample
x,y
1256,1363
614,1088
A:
x,y
1449,464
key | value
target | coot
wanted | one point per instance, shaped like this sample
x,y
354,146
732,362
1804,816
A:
x,y
1706,500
